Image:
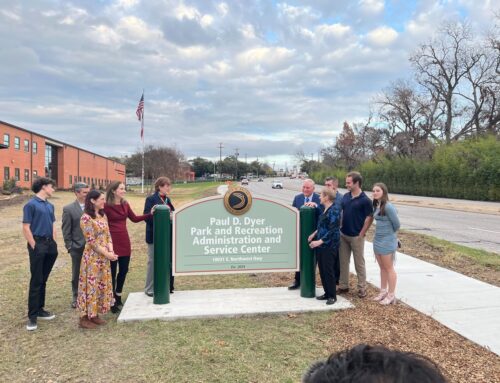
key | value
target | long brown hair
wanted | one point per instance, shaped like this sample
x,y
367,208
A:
x,y
110,192
89,206
383,200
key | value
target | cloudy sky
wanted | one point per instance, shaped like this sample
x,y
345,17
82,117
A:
x,y
267,77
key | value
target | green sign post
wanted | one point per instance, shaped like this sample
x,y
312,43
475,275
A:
x,y
208,239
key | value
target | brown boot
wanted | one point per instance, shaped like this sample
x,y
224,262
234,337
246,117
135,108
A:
x,y
98,320
86,323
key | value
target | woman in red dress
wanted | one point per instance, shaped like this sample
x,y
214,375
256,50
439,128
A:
x,y
117,211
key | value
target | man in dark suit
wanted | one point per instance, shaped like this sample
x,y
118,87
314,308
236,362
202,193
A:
x,y
163,186
74,240
308,198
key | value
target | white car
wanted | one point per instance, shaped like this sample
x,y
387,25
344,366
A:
x,y
277,184
244,181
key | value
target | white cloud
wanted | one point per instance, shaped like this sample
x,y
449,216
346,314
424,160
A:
x,y
336,30
270,57
215,71
223,9
185,12
10,15
104,34
73,15
371,6
248,31
382,36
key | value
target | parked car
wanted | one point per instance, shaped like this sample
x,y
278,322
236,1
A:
x,y
244,181
260,179
277,184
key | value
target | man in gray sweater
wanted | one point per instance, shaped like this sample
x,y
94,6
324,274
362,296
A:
x,y
74,240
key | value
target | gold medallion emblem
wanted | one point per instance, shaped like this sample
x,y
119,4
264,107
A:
x,y
237,200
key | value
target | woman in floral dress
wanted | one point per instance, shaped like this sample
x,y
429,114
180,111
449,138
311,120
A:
x,y
95,291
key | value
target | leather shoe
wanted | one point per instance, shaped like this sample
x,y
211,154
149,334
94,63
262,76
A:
x,y
342,291
73,305
322,298
294,286
149,293
331,301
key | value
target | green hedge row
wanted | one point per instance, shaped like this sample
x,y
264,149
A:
x,y
468,169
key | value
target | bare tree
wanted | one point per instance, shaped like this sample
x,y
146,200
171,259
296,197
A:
x,y
442,66
158,161
410,119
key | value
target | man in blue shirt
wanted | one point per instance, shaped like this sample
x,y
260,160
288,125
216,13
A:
x,y
357,216
39,230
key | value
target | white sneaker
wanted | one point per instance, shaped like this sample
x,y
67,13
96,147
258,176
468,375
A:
x,y
31,325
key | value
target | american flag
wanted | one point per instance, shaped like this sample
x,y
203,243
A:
x,y
140,108
140,115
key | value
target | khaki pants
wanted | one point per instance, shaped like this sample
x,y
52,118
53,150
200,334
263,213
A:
x,y
356,245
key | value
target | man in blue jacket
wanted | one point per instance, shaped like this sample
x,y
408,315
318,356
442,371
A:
x,y
309,198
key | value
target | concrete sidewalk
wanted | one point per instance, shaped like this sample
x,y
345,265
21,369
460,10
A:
x,y
465,305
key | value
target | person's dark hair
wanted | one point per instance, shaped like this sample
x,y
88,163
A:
x,y
110,192
40,182
356,178
374,364
334,179
162,181
89,206
383,200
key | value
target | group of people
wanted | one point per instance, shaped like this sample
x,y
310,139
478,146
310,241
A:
x,y
342,223
95,235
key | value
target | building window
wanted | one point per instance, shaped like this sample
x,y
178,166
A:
x,y
34,147
35,174
17,143
17,174
26,175
6,139
6,173
26,145
70,179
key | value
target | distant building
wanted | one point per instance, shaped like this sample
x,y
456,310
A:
x,y
25,155
185,172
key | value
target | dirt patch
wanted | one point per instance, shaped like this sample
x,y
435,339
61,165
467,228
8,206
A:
x,y
13,200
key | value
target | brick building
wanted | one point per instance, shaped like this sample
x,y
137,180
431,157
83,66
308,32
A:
x,y
24,155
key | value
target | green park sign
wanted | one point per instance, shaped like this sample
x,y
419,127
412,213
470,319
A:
x,y
235,234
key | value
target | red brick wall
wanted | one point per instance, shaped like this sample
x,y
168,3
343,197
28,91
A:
x,y
72,161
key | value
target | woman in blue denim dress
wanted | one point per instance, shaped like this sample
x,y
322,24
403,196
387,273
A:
x,y
385,242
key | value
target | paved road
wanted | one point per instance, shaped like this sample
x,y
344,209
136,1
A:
x,y
475,230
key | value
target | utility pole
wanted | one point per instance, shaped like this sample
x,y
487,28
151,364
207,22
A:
x,y
236,154
220,159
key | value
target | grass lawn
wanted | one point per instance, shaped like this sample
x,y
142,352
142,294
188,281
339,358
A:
x,y
266,348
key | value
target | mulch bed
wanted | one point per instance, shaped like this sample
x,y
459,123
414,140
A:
x,y
401,327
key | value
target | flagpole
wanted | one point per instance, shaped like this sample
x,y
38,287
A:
x,y
142,131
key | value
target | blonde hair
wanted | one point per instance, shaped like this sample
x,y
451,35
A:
x,y
328,193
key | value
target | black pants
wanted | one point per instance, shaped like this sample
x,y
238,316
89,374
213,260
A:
x,y
326,263
42,259
336,267
118,281
76,260
297,278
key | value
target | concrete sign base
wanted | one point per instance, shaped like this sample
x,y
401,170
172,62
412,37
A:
x,y
197,304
